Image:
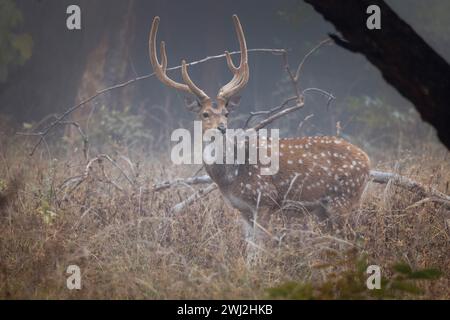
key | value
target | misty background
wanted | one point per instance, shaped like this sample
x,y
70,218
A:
x,y
46,68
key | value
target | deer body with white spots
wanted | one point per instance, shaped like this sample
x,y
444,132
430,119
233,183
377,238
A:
x,y
324,175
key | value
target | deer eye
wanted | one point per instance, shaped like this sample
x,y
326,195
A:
x,y
205,114
227,114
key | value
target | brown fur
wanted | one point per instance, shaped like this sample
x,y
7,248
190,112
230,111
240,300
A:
x,y
315,173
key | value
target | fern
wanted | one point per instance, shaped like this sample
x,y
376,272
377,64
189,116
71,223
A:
x,y
350,283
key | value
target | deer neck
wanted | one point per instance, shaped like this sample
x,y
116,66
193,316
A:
x,y
224,175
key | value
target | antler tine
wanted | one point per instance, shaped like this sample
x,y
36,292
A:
x,y
230,63
196,90
242,42
162,50
161,68
241,73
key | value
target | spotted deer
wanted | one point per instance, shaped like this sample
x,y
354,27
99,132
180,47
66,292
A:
x,y
323,175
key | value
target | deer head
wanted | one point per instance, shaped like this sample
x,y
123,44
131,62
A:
x,y
213,114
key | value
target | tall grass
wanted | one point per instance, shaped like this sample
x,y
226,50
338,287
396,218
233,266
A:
x,y
128,246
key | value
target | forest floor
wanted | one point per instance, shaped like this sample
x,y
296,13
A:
x,y
128,246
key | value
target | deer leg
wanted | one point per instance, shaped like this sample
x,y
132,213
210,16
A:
x,y
253,236
331,217
249,234
323,216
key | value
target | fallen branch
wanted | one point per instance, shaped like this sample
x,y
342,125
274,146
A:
x,y
410,185
426,193
194,197
189,181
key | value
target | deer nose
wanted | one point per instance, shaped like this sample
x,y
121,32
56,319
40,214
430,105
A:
x,y
222,128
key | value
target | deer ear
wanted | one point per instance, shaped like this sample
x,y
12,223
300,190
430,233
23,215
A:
x,y
192,104
233,102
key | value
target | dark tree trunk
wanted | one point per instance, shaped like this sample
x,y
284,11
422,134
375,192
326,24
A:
x,y
405,60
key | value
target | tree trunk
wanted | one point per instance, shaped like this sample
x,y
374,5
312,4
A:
x,y
107,63
405,60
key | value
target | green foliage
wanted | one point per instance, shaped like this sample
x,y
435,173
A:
x,y
46,212
425,274
376,115
402,268
45,194
15,48
118,127
379,123
350,283
3,185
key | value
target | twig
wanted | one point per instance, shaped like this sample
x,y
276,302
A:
x,y
338,129
300,125
327,94
294,81
84,137
272,111
317,47
278,115
269,112
78,180
105,156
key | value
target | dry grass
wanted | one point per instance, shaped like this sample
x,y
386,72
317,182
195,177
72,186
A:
x,y
128,246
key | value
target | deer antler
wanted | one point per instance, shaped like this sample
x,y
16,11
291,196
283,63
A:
x,y
241,73
161,68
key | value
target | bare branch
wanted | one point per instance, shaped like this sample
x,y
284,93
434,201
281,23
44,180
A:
x,y
84,137
317,47
78,180
105,156
272,115
275,112
42,134
300,125
270,112
278,115
327,94
338,129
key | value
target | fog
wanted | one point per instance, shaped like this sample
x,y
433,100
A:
x,y
66,66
